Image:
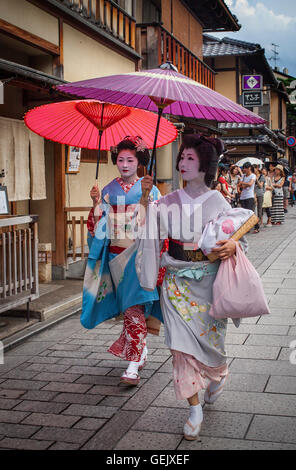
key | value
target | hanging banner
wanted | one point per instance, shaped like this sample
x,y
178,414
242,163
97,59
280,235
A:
x,y
73,160
252,82
252,98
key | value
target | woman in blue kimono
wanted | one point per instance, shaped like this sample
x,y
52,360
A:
x,y
111,285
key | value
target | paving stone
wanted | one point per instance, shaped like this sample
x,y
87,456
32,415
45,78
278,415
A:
x,y
283,312
64,446
144,373
167,398
31,348
117,401
214,443
8,404
159,352
171,420
253,352
91,411
65,347
268,340
6,393
50,419
43,360
252,402
114,390
56,377
273,428
139,440
249,321
17,430
11,416
98,380
280,384
23,384
144,397
47,367
20,374
260,366
67,387
39,395
289,283
24,444
78,398
259,329
112,431
40,406
69,354
77,362
285,354
283,300
235,338
89,370
91,424
10,362
292,331
246,382
277,320
75,436
90,342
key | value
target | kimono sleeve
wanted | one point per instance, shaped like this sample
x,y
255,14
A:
x,y
148,249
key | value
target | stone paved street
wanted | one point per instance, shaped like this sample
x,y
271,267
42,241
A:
x,y
59,389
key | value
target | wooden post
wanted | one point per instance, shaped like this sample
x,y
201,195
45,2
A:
x,y
82,236
59,257
74,237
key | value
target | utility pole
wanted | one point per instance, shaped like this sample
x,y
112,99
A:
x,y
275,54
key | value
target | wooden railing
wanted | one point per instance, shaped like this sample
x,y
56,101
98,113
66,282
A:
x,y
18,261
109,16
154,40
76,230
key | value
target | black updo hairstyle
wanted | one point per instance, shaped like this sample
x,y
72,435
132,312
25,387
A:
x,y
208,150
132,143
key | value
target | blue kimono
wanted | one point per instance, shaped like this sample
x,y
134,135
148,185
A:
x,y
106,295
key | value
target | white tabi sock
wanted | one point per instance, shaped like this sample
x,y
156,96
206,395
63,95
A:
x,y
196,414
133,367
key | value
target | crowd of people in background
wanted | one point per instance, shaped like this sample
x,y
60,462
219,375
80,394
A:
x,y
265,189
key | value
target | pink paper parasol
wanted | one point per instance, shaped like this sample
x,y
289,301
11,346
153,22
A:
x,y
163,90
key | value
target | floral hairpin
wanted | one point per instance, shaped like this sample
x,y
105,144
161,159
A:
x,y
139,143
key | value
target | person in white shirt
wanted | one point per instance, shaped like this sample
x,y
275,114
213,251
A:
x,y
247,185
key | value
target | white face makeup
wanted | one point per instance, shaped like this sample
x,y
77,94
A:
x,y
189,165
127,164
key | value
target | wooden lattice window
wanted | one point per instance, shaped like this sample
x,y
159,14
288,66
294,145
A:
x,y
90,156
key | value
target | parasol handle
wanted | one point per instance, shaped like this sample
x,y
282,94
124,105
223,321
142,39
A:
x,y
160,111
99,154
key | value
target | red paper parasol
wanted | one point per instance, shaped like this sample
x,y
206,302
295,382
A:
x,y
77,123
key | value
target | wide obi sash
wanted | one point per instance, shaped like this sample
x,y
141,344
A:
x,y
185,251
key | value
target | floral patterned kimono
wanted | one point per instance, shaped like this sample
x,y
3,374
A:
x,y
111,285
196,339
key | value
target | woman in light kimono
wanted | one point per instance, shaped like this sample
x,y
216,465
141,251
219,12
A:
x,y
111,285
195,339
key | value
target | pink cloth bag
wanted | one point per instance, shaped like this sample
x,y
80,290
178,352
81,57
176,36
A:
x,y
238,290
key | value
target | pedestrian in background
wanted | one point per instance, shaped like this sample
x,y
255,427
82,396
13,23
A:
x,y
267,198
226,191
292,188
247,186
259,192
277,210
217,186
286,192
235,177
